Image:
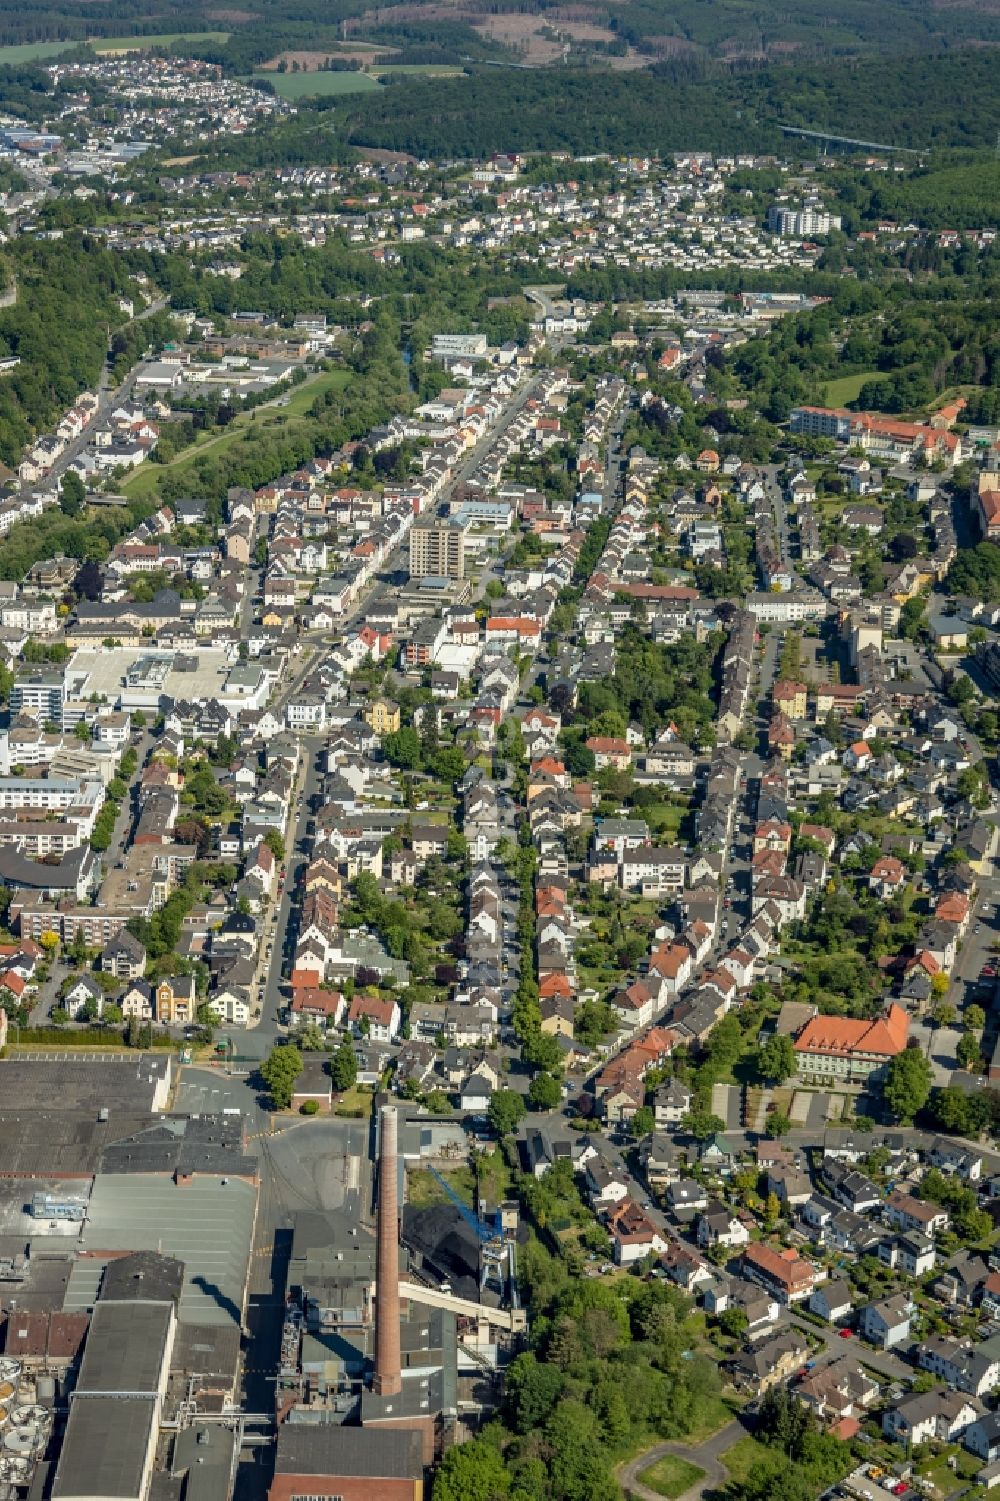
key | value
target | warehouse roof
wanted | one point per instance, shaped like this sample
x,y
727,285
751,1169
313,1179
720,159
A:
x,y
207,1223
37,1140
208,1144
143,1277
105,1448
68,1082
323,1449
125,1349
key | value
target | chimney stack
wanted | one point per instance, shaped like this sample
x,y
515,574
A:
x,y
388,1375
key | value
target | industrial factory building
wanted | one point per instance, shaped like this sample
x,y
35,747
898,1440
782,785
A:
x,y
114,1416
375,1343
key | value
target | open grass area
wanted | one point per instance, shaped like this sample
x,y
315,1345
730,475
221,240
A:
x,y
671,1476
713,1413
848,387
162,39
939,1472
356,1103
740,1459
143,482
314,85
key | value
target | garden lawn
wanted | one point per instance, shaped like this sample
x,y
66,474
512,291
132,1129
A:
x,y
353,1101
671,1476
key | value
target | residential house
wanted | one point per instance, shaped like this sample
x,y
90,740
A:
x,y
785,1273
717,1225
904,1212
886,1323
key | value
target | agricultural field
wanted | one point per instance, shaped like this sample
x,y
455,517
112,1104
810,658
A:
x,y
318,85
32,52
428,70
164,39
366,53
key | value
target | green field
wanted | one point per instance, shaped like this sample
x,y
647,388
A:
x,y
31,52
165,39
143,482
848,387
671,1476
429,70
314,85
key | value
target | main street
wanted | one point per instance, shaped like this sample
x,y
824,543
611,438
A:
x,y
278,940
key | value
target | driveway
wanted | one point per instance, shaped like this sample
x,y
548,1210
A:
x,y
707,1456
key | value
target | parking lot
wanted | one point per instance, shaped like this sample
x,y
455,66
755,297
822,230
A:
x,y
203,1091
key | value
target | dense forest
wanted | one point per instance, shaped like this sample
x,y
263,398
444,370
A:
x,y
726,29
960,195
945,101
918,344
611,1369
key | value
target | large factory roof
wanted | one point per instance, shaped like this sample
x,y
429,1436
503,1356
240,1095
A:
x,y
125,1349
207,1223
105,1450
325,1449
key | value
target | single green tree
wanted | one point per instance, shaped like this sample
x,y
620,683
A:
x,y
702,1124
72,493
506,1110
908,1084
344,1067
544,1092
776,1059
279,1071
968,1050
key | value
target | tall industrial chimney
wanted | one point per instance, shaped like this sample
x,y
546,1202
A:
x,y
388,1375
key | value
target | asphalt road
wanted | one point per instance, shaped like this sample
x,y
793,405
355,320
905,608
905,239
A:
x,y
707,1456
883,1361
107,400
280,933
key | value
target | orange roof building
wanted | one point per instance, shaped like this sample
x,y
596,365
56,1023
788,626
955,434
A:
x,y
954,907
785,1273
838,1049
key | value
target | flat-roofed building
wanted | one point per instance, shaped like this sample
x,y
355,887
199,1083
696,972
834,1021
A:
x,y
437,550
352,1464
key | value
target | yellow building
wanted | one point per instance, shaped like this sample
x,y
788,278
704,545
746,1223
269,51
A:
x,y
383,716
176,1000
